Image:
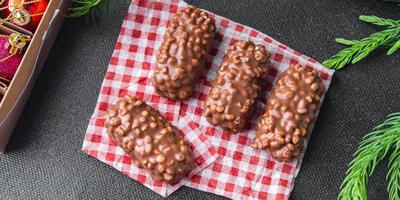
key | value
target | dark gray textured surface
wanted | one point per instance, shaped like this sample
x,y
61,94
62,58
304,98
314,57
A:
x,y
44,160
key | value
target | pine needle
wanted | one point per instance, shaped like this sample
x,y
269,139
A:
x,y
394,48
346,42
359,49
374,147
380,21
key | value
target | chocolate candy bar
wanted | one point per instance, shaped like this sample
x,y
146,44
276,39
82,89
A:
x,y
149,139
289,112
238,84
182,54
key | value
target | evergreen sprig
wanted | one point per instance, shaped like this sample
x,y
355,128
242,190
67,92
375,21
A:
x,y
83,7
394,173
374,147
359,49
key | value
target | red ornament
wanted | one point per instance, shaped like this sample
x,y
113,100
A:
x,y
36,9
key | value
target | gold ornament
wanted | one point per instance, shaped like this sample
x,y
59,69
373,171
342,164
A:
x,y
16,42
20,17
16,4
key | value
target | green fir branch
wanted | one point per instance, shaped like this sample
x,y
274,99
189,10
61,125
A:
x,y
359,49
84,7
393,176
374,147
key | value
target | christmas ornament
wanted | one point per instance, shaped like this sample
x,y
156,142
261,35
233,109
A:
x,y
20,17
24,13
11,54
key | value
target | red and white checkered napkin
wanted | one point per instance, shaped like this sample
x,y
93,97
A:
x,y
227,165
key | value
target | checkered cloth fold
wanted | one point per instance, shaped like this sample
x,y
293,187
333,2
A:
x,y
226,164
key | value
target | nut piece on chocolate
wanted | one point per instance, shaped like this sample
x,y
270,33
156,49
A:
x,y
149,139
289,112
237,86
180,59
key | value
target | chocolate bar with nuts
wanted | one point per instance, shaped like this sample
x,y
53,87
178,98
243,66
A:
x,y
289,113
181,57
237,86
149,139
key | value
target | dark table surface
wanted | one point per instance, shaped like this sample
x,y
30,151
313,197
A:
x,y
44,160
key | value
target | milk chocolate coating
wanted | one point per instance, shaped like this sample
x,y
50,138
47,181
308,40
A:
x,y
182,54
289,112
237,86
149,139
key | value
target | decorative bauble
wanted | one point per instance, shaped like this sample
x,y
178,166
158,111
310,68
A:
x,y
35,8
9,66
20,17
